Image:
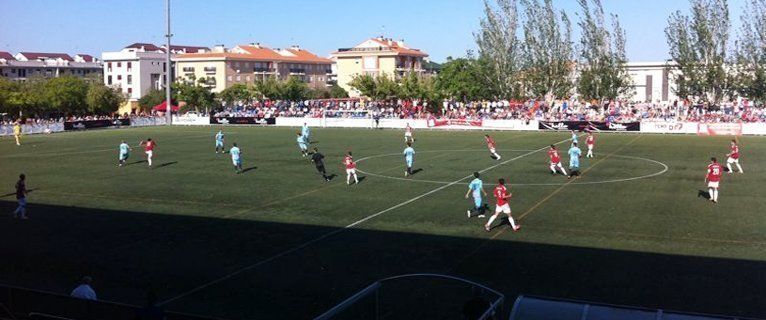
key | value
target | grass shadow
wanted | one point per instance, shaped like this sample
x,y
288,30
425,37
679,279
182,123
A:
x,y
167,164
703,194
249,169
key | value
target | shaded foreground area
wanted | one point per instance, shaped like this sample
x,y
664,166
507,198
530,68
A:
x,y
52,250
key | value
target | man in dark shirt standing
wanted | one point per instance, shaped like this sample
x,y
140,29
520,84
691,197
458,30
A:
x,y
21,197
318,160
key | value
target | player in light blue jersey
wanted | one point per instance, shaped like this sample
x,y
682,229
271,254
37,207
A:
x,y
236,158
124,153
574,137
302,144
219,142
409,157
476,188
306,132
574,160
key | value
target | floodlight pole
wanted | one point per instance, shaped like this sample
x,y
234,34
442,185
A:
x,y
168,72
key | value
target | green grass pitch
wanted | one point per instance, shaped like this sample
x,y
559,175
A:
x,y
280,242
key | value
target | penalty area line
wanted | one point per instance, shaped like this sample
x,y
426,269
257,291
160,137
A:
x,y
341,230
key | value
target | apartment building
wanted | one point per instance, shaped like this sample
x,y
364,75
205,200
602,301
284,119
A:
x,y
246,64
26,65
377,56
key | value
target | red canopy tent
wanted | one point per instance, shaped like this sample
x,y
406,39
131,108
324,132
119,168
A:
x,y
163,107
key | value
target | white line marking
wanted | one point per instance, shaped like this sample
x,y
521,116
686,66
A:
x,y
650,175
340,230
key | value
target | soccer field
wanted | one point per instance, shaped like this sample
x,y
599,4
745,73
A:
x,y
278,242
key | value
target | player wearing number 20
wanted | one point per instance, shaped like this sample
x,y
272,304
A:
x,y
713,178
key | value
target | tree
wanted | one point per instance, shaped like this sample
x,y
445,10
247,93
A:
x,y
750,52
409,86
499,48
194,93
386,87
364,83
602,71
237,92
546,51
462,79
65,94
698,45
102,99
294,89
267,88
152,98
337,91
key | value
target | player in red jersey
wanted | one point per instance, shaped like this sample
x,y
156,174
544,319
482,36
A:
x,y
491,146
502,196
713,178
348,161
733,157
408,134
148,149
555,160
591,142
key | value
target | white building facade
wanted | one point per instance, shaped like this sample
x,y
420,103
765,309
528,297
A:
x,y
136,70
653,81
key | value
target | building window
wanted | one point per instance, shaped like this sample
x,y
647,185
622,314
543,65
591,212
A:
x,y
13,70
247,78
164,66
239,78
130,90
236,64
119,77
130,67
119,64
130,79
109,80
109,67
188,69
229,78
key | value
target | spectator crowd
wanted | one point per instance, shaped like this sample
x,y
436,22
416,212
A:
x,y
560,110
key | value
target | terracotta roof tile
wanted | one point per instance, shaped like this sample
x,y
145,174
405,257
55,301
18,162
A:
x,y
38,55
6,56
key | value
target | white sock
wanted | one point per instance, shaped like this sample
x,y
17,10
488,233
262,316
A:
x,y
562,170
356,180
149,159
513,223
496,155
715,194
728,165
491,219
348,178
740,168
553,169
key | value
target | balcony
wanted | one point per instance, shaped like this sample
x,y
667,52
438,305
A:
x,y
263,70
297,71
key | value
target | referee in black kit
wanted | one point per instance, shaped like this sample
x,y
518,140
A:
x,y
318,160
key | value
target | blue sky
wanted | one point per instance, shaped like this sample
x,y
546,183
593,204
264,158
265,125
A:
x,y
440,27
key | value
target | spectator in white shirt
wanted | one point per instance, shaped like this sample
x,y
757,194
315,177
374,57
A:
x,y
84,290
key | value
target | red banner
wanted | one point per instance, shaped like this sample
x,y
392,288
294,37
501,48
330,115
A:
x,y
719,129
433,122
